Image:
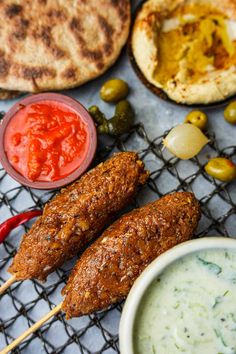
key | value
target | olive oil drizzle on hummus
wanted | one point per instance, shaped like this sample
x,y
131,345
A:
x,y
192,42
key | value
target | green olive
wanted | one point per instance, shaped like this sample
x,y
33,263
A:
x,y
114,90
197,118
222,169
230,113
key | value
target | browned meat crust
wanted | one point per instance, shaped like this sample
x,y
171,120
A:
x,y
106,271
77,215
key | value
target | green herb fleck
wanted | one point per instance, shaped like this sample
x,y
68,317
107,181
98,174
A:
x,y
211,266
219,335
177,305
219,299
227,255
177,290
178,347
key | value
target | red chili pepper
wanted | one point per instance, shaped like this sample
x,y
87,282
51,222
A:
x,y
7,226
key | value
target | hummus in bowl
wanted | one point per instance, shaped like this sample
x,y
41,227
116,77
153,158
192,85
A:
x,y
187,48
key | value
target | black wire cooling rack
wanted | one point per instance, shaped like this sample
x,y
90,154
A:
x,y
25,302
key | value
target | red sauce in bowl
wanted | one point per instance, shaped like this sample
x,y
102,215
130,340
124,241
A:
x,y
46,141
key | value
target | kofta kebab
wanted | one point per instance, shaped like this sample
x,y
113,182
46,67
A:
x,y
76,216
108,268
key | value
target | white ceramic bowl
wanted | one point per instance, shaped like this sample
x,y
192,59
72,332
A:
x,y
151,272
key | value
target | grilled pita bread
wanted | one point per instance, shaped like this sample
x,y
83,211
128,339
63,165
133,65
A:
x,y
53,45
8,95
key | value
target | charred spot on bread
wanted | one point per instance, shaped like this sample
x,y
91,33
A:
x,y
13,10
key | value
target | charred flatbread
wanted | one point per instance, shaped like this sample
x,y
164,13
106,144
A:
x,y
9,95
187,48
54,45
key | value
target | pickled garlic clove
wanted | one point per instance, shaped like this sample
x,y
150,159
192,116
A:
x,y
185,141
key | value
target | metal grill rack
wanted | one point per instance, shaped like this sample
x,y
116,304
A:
x,y
25,302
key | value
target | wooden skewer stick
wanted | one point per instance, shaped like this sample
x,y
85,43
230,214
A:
x,y
7,284
32,329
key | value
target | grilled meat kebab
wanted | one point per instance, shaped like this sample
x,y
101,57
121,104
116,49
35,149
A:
x,y
108,268
77,215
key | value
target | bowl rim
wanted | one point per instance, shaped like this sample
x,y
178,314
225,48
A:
x,y
151,272
85,116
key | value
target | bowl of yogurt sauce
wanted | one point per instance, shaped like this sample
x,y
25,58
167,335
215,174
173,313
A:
x,y
184,302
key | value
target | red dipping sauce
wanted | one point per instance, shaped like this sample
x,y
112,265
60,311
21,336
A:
x,y
46,140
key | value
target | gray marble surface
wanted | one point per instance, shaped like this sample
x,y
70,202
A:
x,y
157,116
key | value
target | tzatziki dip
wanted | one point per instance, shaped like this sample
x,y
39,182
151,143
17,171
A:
x,y
190,308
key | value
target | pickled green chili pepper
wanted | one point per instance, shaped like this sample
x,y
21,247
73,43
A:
x,y
119,124
97,115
